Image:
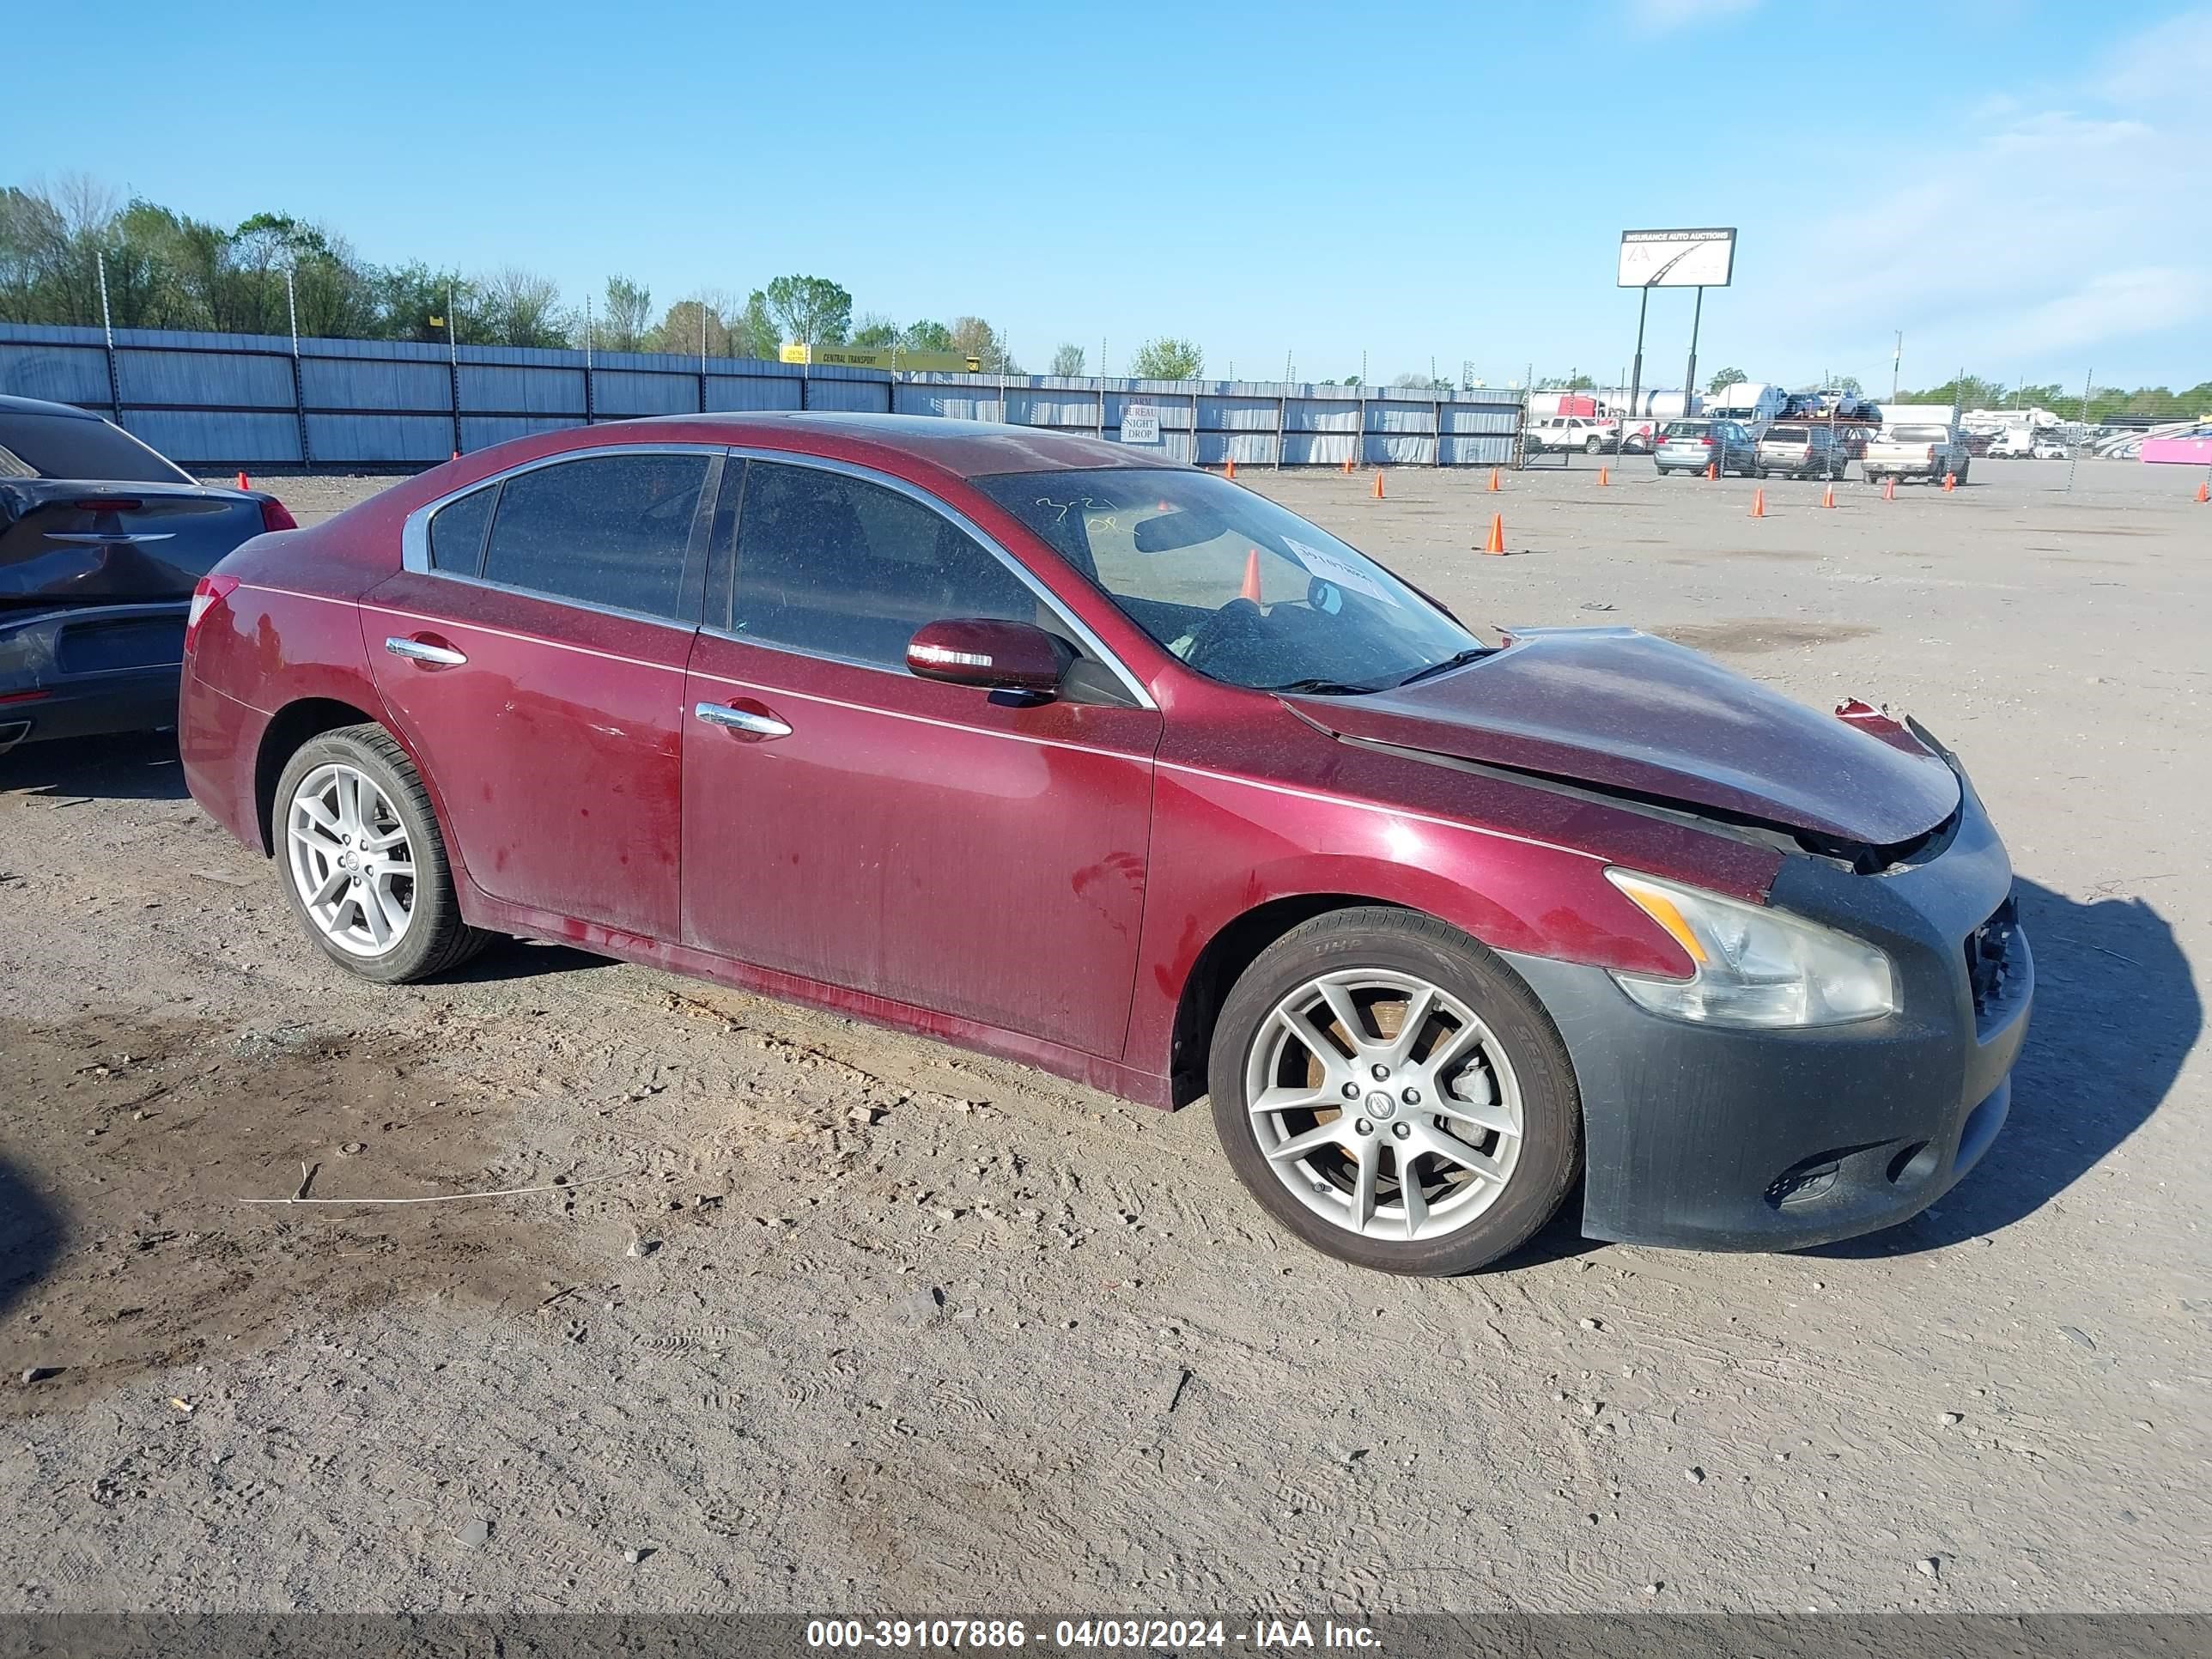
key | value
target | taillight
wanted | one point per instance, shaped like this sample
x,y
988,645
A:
x,y
275,515
1707,442
211,588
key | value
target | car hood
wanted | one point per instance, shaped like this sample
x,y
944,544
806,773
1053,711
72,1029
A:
x,y
1616,709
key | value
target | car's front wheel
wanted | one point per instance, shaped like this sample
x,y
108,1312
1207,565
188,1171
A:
x,y
365,869
1393,1094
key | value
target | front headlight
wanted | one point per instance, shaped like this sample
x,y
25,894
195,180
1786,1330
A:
x,y
1755,967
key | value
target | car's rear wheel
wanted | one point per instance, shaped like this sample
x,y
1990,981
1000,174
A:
x,y
1592,447
365,869
1393,1095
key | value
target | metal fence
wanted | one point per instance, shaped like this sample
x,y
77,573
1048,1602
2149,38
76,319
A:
x,y
224,400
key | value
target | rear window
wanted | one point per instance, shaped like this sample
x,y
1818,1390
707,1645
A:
x,y
1788,434
70,447
1687,428
1921,434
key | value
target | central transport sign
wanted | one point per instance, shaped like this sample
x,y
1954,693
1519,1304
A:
x,y
1676,259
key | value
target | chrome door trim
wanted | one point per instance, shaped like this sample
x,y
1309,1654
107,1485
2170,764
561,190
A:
x,y
419,650
740,719
967,526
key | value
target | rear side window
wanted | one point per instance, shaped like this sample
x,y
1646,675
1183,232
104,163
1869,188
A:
x,y
70,447
456,532
607,530
835,566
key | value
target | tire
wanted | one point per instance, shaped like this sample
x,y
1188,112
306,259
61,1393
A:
x,y
1516,1113
1593,446
1963,465
358,932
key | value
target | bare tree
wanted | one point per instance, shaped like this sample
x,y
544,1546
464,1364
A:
x,y
518,307
1068,360
974,338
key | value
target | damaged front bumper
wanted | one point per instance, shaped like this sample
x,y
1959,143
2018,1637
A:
x,y
1715,1138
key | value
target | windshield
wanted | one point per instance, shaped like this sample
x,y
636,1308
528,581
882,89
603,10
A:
x,y
1921,434
1236,587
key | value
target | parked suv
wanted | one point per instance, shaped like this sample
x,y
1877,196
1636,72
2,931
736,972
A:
x,y
1802,452
1692,446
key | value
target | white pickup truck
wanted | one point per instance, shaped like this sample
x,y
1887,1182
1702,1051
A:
x,y
1916,450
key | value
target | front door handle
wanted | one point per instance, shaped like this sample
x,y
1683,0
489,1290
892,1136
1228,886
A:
x,y
753,722
442,656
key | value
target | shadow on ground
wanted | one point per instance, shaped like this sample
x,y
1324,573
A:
x,y
132,766
30,1235
2117,1011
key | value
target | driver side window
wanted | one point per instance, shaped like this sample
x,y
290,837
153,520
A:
x,y
834,566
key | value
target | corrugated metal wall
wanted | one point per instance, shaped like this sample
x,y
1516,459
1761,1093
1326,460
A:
x,y
224,400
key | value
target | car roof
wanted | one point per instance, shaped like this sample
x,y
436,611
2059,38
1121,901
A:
x,y
968,449
40,406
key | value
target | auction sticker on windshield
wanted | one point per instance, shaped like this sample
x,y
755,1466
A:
x,y
1141,423
1330,568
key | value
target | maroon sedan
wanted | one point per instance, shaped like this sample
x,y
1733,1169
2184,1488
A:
x,y
1031,743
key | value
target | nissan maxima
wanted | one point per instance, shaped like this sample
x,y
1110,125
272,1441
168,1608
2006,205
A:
x,y
1032,743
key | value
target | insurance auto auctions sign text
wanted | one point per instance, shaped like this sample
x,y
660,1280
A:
x,y
1677,258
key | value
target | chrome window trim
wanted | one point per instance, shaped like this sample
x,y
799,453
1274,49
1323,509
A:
x,y
943,509
415,532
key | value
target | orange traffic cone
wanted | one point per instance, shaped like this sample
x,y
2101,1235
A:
x,y
1233,467
1828,495
1601,477
1378,483
245,483
2204,492
1493,481
1251,588
457,454
1889,488
1347,463
1713,472
1496,542
1759,503
1950,482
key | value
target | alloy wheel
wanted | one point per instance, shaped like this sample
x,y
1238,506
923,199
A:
x,y
350,860
1383,1105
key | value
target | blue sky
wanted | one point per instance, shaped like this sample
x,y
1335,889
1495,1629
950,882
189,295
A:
x,y
2024,188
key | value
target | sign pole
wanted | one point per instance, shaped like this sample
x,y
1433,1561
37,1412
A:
x,y
1690,374
1636,378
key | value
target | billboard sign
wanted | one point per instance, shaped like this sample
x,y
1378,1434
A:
x,y
1676,259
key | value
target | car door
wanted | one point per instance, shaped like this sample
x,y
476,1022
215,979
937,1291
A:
x,y
531,654
976,853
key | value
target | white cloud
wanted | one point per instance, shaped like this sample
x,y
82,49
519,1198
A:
x,y
2019,238
2170,61
1657,16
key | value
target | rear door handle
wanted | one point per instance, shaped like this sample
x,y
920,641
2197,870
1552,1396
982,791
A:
x,y
753,722
442,656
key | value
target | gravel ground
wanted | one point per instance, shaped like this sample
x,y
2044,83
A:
x,y
830,1318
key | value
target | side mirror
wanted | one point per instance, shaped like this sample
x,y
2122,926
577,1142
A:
x,y
991,656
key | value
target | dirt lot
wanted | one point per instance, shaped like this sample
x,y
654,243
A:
x,y
835,1318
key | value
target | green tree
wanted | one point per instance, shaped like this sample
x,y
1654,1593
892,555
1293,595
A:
x,y
1168,359
626,316
416,302
926,335
1725,378
1067,362
875,332
810,311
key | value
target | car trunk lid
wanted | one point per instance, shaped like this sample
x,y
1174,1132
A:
x,y
66,541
